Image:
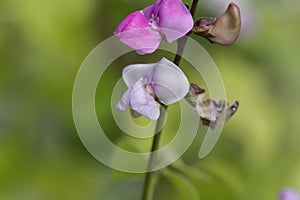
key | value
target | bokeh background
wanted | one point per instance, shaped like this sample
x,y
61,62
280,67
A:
x,y
43,43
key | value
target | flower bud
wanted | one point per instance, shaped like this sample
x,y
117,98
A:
x,y
223,30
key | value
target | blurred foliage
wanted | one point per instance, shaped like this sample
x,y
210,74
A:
x,y
42,44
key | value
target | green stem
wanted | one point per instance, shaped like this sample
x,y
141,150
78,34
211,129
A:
x,y
148,185
182,41
155,145
194,7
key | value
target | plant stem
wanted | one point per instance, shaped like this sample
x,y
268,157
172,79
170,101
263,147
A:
x,y
155,143
182,41
194,7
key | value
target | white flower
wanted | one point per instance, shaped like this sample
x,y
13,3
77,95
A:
x,y
162,81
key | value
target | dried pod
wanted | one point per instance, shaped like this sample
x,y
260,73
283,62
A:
x,y
211,112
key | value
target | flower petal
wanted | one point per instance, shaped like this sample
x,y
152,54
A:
x,y
175,19
170,83
143,40
125,24
142,102
289,194
124,102
148,11
136,32
132,73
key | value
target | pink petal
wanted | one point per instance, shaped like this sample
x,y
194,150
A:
x,y
127,22
175,19
143,40
135,32
148,11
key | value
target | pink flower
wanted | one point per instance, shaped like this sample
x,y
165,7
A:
x,y
289,194
144,30
162,81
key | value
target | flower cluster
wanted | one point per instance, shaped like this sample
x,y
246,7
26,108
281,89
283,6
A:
x,y
163,82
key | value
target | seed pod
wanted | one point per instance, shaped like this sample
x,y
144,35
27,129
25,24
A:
x,y
223,30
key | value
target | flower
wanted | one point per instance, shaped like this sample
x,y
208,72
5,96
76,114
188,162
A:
x,y
211,112
162,81
143,30
289,194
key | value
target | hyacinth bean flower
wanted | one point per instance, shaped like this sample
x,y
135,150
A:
x,y
289,194
162,81
144,30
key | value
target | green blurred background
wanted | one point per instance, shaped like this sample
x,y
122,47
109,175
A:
x,y
42,44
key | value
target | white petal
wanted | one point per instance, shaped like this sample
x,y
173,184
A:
x,y
142,102
170,83
124,102
132,73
